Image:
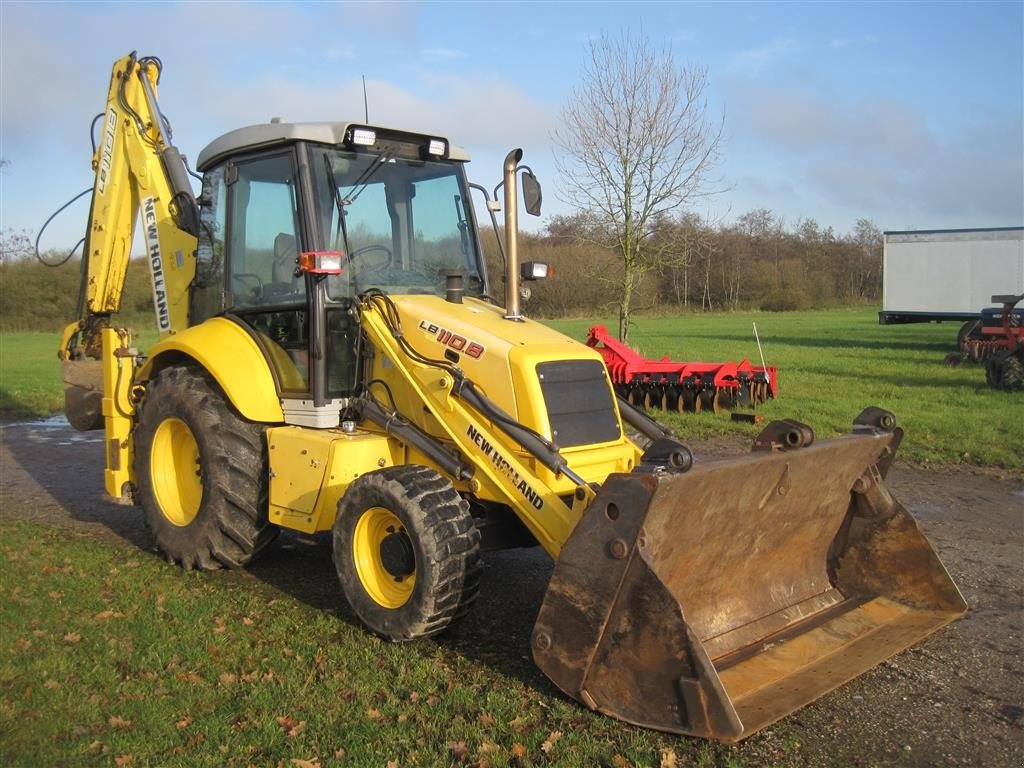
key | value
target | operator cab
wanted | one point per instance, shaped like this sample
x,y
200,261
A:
x,y
391,208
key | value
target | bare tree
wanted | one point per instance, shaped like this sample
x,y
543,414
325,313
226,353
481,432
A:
x,y
635,143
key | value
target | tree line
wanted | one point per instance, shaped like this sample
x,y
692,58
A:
x,y
756,262
694,264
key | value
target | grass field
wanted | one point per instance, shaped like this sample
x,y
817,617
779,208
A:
x,y
110,659
834,363
831,365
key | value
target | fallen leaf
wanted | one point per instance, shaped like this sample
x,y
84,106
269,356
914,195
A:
x,y
299,763
51,684
485,719
340,753
668,758
184,722
488,748
116,721
414,697
290,725
551,740
72,637
518,750
458,750
227,678
109,615
392,764
122,761
620,762
374,714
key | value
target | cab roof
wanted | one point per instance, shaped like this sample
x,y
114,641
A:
x,y
254,137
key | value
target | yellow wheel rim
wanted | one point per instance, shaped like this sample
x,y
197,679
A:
x,y
384,558
175,471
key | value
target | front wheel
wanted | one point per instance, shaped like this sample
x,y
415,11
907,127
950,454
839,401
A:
x,y
407,552
201,472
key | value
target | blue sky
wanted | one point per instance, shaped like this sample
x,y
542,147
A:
x,y
911,114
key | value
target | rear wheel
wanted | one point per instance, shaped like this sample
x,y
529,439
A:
x,y
1005,371
201,472
407,552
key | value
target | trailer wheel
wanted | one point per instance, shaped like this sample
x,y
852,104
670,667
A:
x,y
1005,371
202,473
407,552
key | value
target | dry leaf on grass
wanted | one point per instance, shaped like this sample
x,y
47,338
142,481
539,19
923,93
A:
x,y
668,758
116,721
300,763
551,740
290,725
458,750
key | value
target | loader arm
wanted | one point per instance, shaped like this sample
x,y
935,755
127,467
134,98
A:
x,y
137,172
502,470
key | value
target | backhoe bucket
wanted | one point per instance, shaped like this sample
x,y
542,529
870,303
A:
x,y
83,393
715,602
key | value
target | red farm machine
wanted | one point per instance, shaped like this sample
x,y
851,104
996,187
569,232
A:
x,y
685,387
997,340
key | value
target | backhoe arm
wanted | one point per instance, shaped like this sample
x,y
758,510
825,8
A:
x,y
137,170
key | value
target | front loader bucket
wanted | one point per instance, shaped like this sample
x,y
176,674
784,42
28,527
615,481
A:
x,y
715,602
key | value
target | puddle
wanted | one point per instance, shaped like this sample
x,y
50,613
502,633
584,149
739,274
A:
x,y
54,429
53,422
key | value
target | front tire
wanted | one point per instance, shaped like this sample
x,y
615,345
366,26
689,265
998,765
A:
x,y
407,552
201,473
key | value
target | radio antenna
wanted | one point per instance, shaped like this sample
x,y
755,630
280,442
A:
x,y
366,104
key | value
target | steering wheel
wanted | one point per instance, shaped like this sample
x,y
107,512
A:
x,y
360,252
242,277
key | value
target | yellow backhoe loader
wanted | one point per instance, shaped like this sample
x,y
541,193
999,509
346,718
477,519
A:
x,y
331,358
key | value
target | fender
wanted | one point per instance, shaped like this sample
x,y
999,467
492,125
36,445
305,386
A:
x,y
232,357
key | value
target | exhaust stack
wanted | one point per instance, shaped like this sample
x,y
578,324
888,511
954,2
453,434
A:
x,y
512,311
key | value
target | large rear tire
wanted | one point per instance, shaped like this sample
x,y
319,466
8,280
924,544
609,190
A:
x,y
201,473
407,552
1005,371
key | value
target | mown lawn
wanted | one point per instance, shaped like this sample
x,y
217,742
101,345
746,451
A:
x,y
832,364
110,657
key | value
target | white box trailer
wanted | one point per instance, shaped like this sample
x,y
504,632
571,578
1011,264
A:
x,y
949,274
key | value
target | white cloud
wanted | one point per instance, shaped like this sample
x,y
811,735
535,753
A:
x,y
838,42
882,157
754,59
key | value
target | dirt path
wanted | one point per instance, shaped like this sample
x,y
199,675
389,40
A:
x,y
956,699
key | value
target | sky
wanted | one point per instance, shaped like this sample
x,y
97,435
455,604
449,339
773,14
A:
x,y
908,114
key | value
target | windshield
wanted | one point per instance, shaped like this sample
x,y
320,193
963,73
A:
x,y
403,224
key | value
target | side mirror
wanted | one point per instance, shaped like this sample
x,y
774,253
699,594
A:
x,y
532,197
